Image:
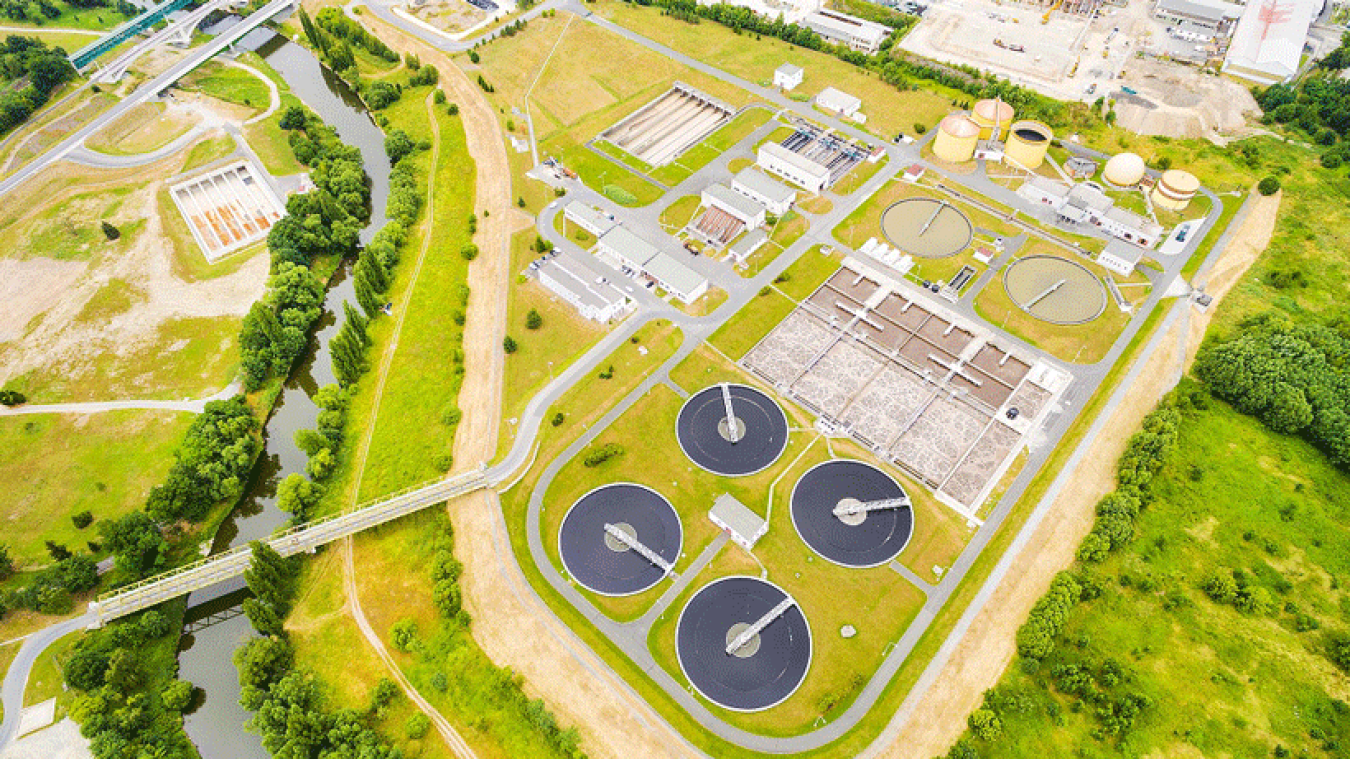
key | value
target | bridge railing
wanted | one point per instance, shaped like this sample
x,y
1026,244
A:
x,y
301,537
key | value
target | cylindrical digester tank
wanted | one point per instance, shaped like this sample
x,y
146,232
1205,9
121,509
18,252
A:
x,y
1124,170
956,138
1175,190
990,113
1027,143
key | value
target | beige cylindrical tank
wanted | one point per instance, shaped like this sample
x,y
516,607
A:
x,y
1124,170
990,113
1026,144
956,138
1175,190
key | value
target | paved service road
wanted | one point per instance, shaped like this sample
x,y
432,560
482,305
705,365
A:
x,y
16,677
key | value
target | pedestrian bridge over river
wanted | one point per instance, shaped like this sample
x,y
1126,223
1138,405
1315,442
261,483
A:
x,y
301,538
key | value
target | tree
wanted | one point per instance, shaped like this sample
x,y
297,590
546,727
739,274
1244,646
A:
x,y
533,319
397,145
469,251
294,118
136,542
82,519
296,495
6,563
985,724
109,231
263,617
57,551
558,419
417,726
1268,186
177,695
404,634
1338,650
509,345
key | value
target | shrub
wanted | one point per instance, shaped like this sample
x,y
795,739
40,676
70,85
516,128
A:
x,y
177,695
985,724
509,345
469,251
558,419
600,455
1268,186
417,726
440,97
109,231
12,398
1338,650
1220,587
82,519
1331,160
920,128
534,320
404,635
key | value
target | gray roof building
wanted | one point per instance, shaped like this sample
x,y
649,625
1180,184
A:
x,y
685,283
743,525
628,248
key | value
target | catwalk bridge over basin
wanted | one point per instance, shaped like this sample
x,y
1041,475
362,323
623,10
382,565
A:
x,y
301,538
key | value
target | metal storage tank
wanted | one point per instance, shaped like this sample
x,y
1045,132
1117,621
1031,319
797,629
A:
x,y
1175,190
1026,144
1124,170
956,138
990,113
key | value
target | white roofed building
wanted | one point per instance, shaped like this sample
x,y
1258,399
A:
x,y
1120,257
741,207
838,101
775,196
1267,44
679,280
624,250
793,167
851,31
587,217
788,76
1213,15
742,525
577,280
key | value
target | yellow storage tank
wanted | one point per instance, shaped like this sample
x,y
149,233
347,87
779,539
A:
x,y
990,113
1026,144
956,138
1124,170
1175,190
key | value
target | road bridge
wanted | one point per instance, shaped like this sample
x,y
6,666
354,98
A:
x,y
86,55
301,538
146,92
177,33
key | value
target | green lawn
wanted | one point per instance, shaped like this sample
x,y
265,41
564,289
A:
x,y
71,17
208,150
61,464
680,213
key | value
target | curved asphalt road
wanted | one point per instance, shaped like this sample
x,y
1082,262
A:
x,y
16,678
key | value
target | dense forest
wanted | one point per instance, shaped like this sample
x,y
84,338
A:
x,y
33,71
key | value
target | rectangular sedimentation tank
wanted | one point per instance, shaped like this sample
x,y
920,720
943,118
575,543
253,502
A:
x,y
661,130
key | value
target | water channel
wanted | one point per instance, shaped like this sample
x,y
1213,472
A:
x,y
214,626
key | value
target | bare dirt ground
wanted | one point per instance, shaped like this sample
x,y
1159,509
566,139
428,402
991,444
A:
x,y
43,297
450,15
510,623
1179,101
989,645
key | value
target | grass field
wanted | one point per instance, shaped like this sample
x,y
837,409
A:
x,y
544,352
60,465
753,322
1224,683
67,230
73,17
888,110
143,129
680,213
208,150
410,437
266,137
230,84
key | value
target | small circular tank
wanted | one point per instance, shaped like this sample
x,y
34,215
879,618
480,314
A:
x,y
1124,170
1175,190
1026,144
990,113
956,138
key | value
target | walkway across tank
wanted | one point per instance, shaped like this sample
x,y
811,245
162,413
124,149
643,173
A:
x,y
926,227
1055,289
852,513
620,539
743,643
750,442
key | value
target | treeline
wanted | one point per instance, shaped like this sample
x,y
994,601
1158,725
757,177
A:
x,y
39,11
1292,377
333,35
890,65
1106,688
127,702
290,713
1318,105
326,221
33,71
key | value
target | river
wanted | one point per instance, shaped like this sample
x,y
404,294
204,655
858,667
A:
x,y
214,626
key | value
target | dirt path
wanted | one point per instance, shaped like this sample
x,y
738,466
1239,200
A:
x,y
989,645
510,623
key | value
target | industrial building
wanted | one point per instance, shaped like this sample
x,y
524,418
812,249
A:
x,y
839,102
1268,41
747,245
1120,257
589,218
725,215
993,117
1213,16
793,167
1087,203
749,212
775,196
850,31
742,525
638,258
1026,144
577,280
788,76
